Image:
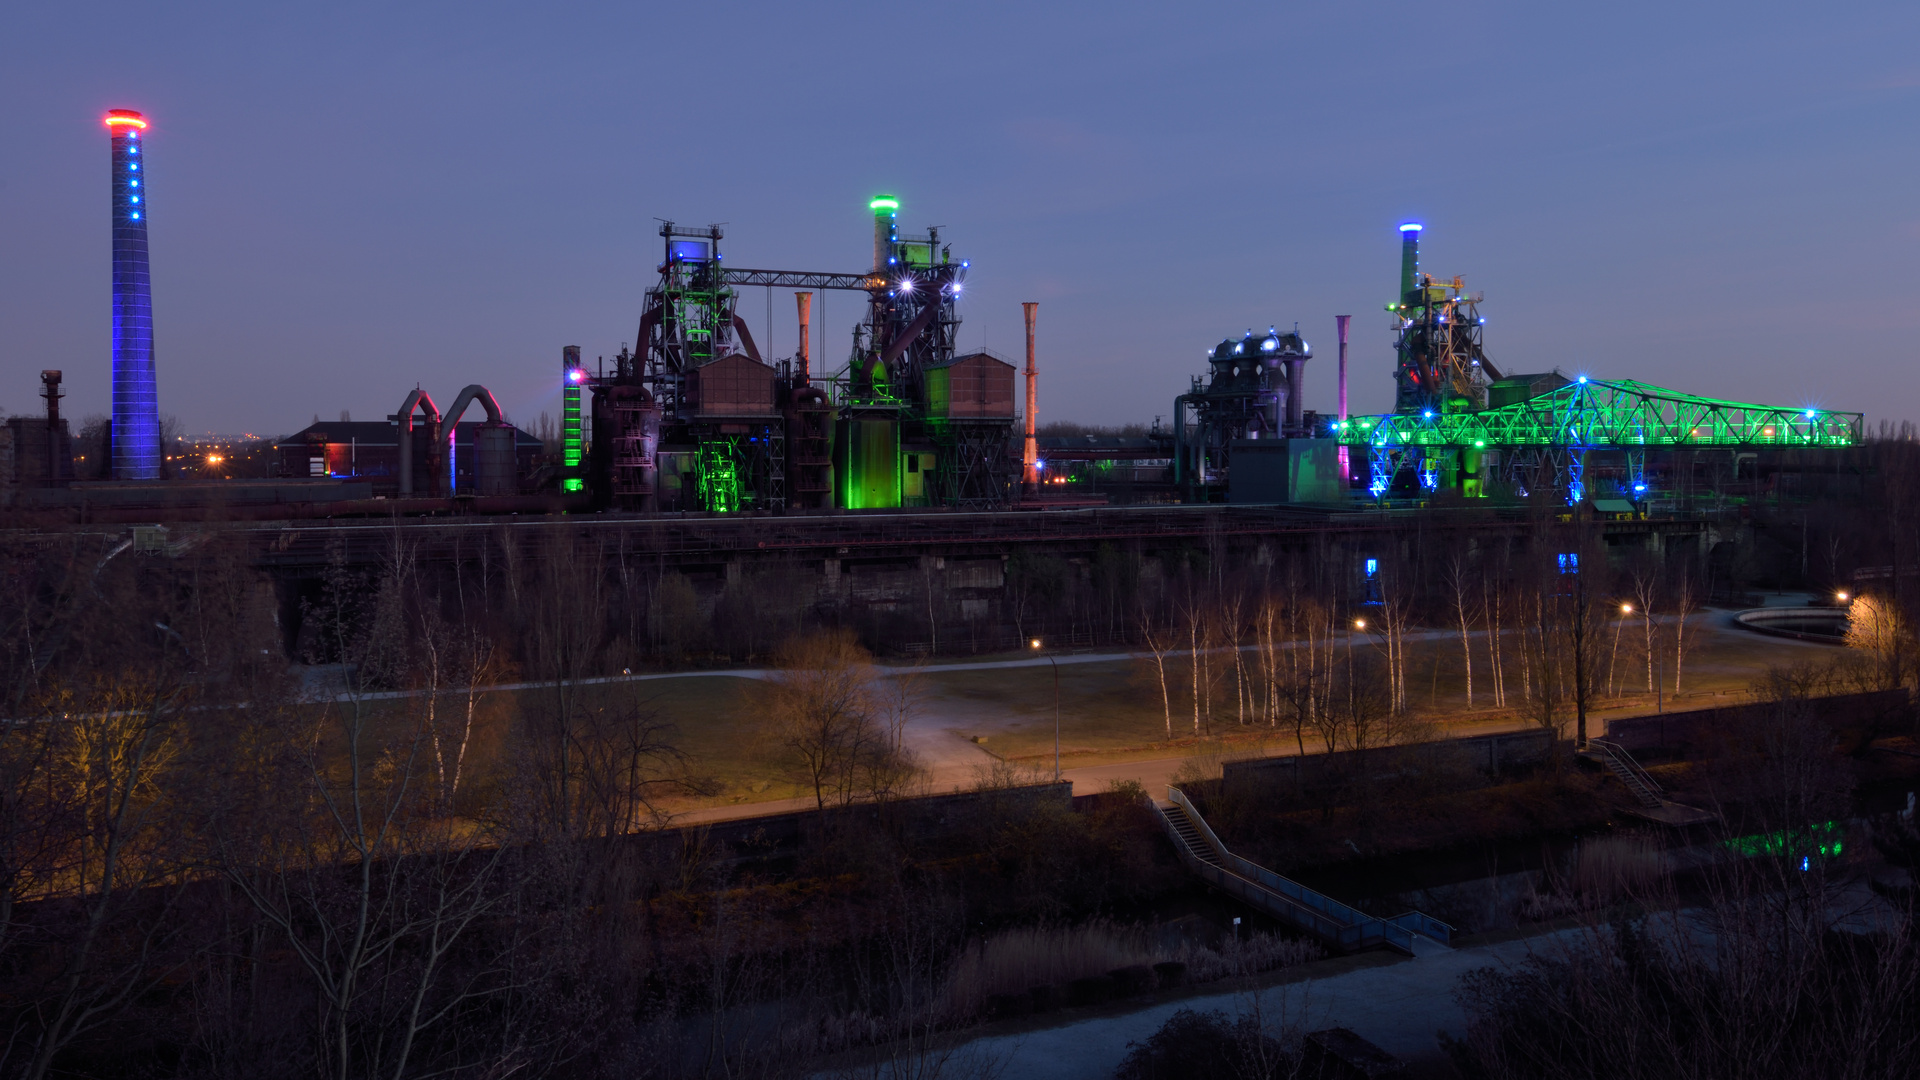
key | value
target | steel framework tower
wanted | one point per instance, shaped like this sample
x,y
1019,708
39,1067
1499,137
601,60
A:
x,y
136,407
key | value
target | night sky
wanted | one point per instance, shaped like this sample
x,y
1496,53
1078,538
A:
x,y
351,199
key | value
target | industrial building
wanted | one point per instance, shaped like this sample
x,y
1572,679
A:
x,y
461,460
1460,427
696,418
37,452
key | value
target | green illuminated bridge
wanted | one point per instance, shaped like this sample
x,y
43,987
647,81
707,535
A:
x,y
1591,413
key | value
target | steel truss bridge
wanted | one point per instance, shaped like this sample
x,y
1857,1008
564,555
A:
x,y
1552,432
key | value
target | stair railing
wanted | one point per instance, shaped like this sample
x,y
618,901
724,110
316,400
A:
x,y
1618,754
1344,926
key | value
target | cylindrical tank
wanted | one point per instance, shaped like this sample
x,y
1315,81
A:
x,y
494,468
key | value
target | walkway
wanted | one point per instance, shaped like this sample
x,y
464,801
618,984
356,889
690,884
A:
x,y
1397,1004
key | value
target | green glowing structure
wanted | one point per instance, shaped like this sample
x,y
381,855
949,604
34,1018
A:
x,y
1459,423
1595,413
721,490
572,375
1815,841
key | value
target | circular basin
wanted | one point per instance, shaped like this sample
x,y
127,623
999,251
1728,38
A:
x,y
1828,625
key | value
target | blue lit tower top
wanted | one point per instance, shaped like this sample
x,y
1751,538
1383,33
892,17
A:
x,y
136,406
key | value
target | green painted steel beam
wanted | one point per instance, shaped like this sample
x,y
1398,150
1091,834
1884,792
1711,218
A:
x,y
1622,414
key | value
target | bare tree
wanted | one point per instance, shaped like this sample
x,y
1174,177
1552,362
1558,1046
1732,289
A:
x,y
119,861
1459,579
1159,643
836,718
1686,600
330,832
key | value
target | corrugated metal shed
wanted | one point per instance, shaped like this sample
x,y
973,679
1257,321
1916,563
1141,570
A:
x,y
733,385
975,386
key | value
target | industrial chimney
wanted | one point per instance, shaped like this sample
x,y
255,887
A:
x,y
886,210
136,409
1030,452
804,302
1409,258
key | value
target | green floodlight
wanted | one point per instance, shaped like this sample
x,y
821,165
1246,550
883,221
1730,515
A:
x,y
884,202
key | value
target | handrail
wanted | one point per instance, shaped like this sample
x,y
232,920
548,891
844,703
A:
x,y
1619,753
1345,926
1252,893
1292,890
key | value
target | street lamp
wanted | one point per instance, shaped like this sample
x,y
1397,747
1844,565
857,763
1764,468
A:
x,y
1056,708
1613,665
1358,624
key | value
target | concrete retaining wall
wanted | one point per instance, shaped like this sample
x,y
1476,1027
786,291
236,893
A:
x,y
1487,754
1696,731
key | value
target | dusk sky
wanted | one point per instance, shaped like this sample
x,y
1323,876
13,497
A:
x,y
351,199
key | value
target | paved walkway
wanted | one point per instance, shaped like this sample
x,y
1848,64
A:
x,y
1398,1005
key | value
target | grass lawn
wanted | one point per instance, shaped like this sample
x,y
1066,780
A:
x,y
1110,711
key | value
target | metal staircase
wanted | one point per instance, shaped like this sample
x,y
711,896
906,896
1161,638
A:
x,y
1644,788
1341,927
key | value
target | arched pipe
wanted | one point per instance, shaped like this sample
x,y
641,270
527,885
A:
x,y
417,399
450,425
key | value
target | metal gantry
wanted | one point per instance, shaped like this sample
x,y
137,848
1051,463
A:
x,y
1546,437
1595,413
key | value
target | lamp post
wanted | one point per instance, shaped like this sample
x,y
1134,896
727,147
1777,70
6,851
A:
x,y
1358,624
1613,665
1056,709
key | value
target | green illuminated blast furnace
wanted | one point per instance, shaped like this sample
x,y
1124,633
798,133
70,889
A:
x,y
571,375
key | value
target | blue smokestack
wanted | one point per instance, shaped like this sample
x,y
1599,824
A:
x,y
136,405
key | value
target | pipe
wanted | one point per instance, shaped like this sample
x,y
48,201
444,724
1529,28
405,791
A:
x,y
1296,395
1030,452
912,331
417,399
804,301
450,425
746,338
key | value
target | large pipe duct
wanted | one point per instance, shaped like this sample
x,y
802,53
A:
x,y
804,302
910,332
746,338
1030,450
418,399
493,469
1296,394
886,210
1409,258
